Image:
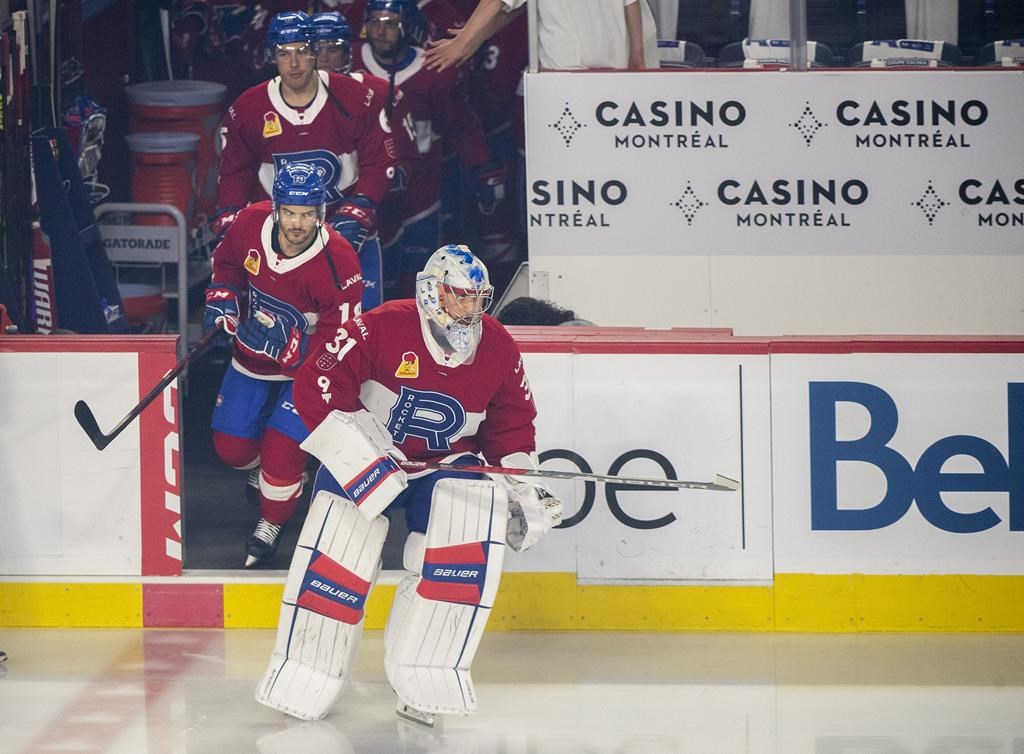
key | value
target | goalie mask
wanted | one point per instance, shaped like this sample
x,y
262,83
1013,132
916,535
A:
x,y
300,184
452,294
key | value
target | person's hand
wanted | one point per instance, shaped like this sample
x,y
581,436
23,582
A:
x,y
221,308
532,513
399,181
356,220
447,53
488,186
221,221
264,336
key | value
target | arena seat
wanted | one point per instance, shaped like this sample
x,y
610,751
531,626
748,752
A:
x,y
677,53
904,53
1001,53
770,53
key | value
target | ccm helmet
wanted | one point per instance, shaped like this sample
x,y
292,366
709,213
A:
x,y
332,29
298,183
288,28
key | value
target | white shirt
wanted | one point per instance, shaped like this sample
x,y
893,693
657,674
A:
x,y
589,33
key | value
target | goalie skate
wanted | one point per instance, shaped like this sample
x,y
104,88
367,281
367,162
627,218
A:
x,y
427,719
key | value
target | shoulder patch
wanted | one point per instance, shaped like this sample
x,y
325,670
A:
x,y
410,366
271,124
252,262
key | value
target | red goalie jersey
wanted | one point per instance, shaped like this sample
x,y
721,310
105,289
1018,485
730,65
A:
x,y
379,361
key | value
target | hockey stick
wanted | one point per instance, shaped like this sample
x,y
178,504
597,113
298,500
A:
x,y
721,483
88,421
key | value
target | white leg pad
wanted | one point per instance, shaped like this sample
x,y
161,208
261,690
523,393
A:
x,y
438,618
336,561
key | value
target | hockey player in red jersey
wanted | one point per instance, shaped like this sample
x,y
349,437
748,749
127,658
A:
x,y
439,111
432,21
333,39
303,115
429,379
495,92
300,280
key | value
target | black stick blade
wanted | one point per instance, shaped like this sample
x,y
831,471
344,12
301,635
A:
x,y
88,423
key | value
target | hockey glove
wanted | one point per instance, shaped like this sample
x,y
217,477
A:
x,y
533,512
489,186
399,181
263,335
356,220
221,308
222,219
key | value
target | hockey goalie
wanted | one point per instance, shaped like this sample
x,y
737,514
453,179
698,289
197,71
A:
x,y
432,379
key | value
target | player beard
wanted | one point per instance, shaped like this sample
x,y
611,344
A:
x,y
385,51
298,238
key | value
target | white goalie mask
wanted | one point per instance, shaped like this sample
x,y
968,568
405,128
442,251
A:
x,y
453,292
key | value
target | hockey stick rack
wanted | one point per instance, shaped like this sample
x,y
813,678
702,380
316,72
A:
x,y
720,483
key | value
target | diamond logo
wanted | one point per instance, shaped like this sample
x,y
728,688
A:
x,y
567,125
930,203
689,204
808,124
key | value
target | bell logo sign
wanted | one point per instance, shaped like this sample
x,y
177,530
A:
x,y
907,483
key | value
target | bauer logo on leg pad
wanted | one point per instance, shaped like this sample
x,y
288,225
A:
x,y
330,589
455,574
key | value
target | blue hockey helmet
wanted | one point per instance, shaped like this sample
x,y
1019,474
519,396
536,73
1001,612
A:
x,y
288,27
331,32
330,27
407,9
298,183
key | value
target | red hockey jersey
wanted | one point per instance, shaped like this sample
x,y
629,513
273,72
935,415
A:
x,y
315,291
379,361
341,132
438,108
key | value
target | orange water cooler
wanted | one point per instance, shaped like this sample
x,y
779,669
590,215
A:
x,y
184,106
164,172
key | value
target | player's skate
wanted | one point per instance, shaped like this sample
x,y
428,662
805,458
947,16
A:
x,y
428,719
263,543
252,486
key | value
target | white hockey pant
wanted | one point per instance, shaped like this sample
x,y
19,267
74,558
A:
x,y
440,611
336,561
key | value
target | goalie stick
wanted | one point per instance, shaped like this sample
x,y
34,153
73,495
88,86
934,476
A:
x,y
88,422
720,484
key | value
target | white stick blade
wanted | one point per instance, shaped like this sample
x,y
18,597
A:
x,y
726,482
